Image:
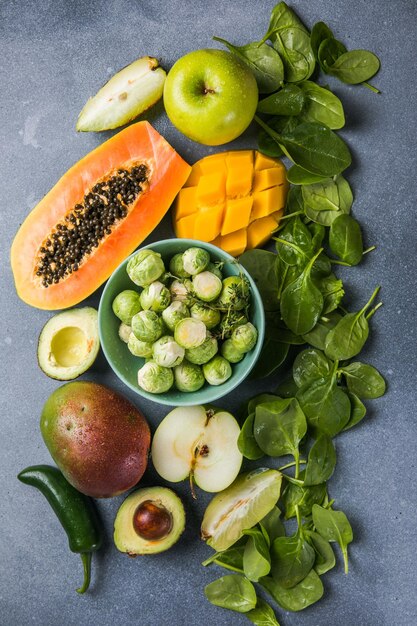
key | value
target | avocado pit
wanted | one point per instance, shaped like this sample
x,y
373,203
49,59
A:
x,y
152,521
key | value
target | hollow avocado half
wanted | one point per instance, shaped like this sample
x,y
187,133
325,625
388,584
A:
x,y
149,521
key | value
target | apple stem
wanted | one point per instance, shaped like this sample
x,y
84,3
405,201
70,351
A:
x,y
192,485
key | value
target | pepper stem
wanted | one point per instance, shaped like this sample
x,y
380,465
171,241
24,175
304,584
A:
x,y
86,559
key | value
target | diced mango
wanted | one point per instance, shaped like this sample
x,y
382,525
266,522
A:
x,y
239,182
213,163
260,231
208,223
210,189
267,201
239,159
234,243
194,176
264,179
263,162
184,228
186,202
237,214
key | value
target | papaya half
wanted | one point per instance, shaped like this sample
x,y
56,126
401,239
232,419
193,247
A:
x,y
95,216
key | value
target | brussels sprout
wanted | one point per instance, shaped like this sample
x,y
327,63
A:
x,y
230,352
188,377
176,266
167,352
202,354
230,321
155,297
145,267
207,286
147,326
190,333
210,317
126,304
181,290
139,348
175,312
244,337
165,278
235,293
195,260
155,378
214,268
124,332
217,371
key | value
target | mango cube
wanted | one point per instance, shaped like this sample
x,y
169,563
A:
x,y
237,214
208,223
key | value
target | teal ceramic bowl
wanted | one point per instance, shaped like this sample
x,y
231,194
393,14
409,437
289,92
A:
x,y
126,365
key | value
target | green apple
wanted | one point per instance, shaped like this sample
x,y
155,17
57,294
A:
x,y
210,96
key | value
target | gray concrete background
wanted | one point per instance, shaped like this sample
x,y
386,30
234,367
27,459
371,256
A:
x,y
53,55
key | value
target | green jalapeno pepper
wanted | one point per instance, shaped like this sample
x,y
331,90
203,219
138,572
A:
x,y
75,511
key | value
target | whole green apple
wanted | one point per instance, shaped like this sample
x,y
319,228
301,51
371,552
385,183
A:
x,y
210,96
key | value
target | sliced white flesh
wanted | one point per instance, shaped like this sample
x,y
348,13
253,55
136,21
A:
x,y
126,95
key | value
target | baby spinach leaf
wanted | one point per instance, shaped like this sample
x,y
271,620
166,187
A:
x,y
321,461
322,196
364,380
294,243
264,61
325,559
326,406
353,67
288,101
262,266
231,559
332,290
279,426
268,145
349,335
317,336
302,497
333,526
345,200
322,106
330,50
262,614
246,441
256,558
287,389
319,33
291,560
345,239
294,201
277,331
307,592
302,302
309,365
273,355
358,411
259,399
318,233
296,175
292,41
232,592
273,525
321,267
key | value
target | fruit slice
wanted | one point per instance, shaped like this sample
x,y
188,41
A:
x,y
199,443
69,343
240,506
150,520
95,216
126,95
234,199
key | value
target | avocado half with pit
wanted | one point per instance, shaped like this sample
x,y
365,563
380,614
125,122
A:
x,y
149,521
69,343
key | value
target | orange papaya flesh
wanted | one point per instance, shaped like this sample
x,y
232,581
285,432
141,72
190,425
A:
x,y
234,200
95,216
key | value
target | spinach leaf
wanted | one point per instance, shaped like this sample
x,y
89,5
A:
x,y
318,233
330,50
317,336
277,331
349,335
302,302
291,560
319,33
325,559
288,101
267,145
358,411
307,592
273,525
364,380
287,389
259,399
322,196
295,202
326,406
332,291
353,67
256,558
345,239
231,559
273,355
321,461
322,106
264,62
296,175
292,41
279,426
309,365
233,592
333,526
302,497
246,441
262,614
294,243
345,199
262,266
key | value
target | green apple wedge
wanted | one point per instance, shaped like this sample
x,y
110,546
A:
x,y
198,443
210,96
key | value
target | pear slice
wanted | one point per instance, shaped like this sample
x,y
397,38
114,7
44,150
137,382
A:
x,y
126,95
198,443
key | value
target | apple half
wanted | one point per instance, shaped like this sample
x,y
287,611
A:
x,y
200,444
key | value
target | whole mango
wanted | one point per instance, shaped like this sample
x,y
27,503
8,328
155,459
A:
x,y
98,439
